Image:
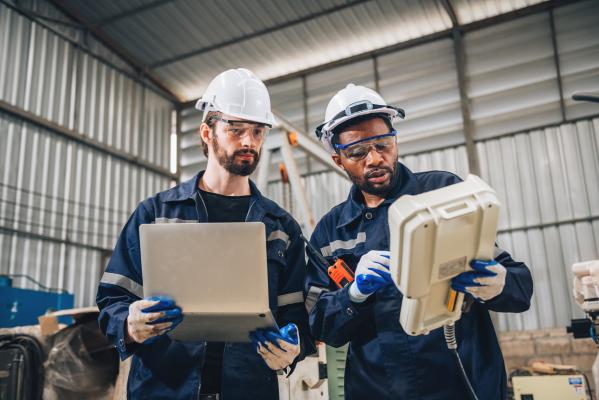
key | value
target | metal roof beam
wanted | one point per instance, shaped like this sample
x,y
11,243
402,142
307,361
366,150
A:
x,y
468,126
459,53
41,21
115,47
126,14
451,12
472,26
344,61
193,53
448,33
556,62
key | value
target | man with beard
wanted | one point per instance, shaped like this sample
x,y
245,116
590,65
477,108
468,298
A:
x,y
236,119
383,362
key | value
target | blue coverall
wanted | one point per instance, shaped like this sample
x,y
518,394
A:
x,y
383,362
172,369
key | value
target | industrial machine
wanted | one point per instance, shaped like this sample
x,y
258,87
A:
x,y
550,387
586,284
19,307
586,275
586,293
21,367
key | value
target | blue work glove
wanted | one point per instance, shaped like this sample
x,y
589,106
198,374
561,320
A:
x,y
277,349
151,317
372,273
484,283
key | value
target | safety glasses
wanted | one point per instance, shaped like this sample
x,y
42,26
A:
x,y
237,129
359,149
355,109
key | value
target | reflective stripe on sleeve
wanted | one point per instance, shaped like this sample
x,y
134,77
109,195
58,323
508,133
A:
x,y
124,282
279,235
328,251
313,294
290,298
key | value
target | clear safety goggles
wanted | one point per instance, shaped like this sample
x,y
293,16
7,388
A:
x,y
237,129
359,149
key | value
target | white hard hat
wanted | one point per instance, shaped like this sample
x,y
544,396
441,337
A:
x,y
351,102
239,93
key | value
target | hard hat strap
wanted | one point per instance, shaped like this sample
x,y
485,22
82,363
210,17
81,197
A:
x,y
363,105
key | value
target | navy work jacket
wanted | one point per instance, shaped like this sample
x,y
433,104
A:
x,y
170,369
383,362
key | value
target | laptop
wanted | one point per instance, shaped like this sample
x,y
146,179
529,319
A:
x,y
217,274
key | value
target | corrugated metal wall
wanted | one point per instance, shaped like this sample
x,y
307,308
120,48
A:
x,y
546,176
191,157
423,80
51,78
511,73
512,86
62,203
547,182
577,35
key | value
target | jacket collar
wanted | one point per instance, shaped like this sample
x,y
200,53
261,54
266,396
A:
x,y
185,191
182,191
353,207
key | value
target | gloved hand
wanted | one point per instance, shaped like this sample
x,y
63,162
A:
x,y
278,349
151,317
484,283
371,274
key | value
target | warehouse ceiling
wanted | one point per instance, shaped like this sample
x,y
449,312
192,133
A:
x,y
181,44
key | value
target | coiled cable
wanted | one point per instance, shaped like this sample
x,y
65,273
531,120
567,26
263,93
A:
x,y
452,345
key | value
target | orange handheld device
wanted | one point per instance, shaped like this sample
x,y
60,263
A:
x,y
340,273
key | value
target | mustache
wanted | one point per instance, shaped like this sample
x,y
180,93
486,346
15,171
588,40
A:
x,y
377,171
245,152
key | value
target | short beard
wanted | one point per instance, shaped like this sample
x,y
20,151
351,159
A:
x,y
382,191
228,161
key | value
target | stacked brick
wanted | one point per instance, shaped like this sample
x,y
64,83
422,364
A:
x,y
554,346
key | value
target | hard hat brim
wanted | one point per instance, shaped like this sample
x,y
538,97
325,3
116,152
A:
x,y
205,106
392,112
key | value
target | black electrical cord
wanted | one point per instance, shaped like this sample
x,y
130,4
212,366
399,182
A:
x,y
70,232
452,345
39,284
588,96
62,199
589,391
50,212
314,255
33,358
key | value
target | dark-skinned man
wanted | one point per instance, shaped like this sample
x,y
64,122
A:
x,y
383,362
